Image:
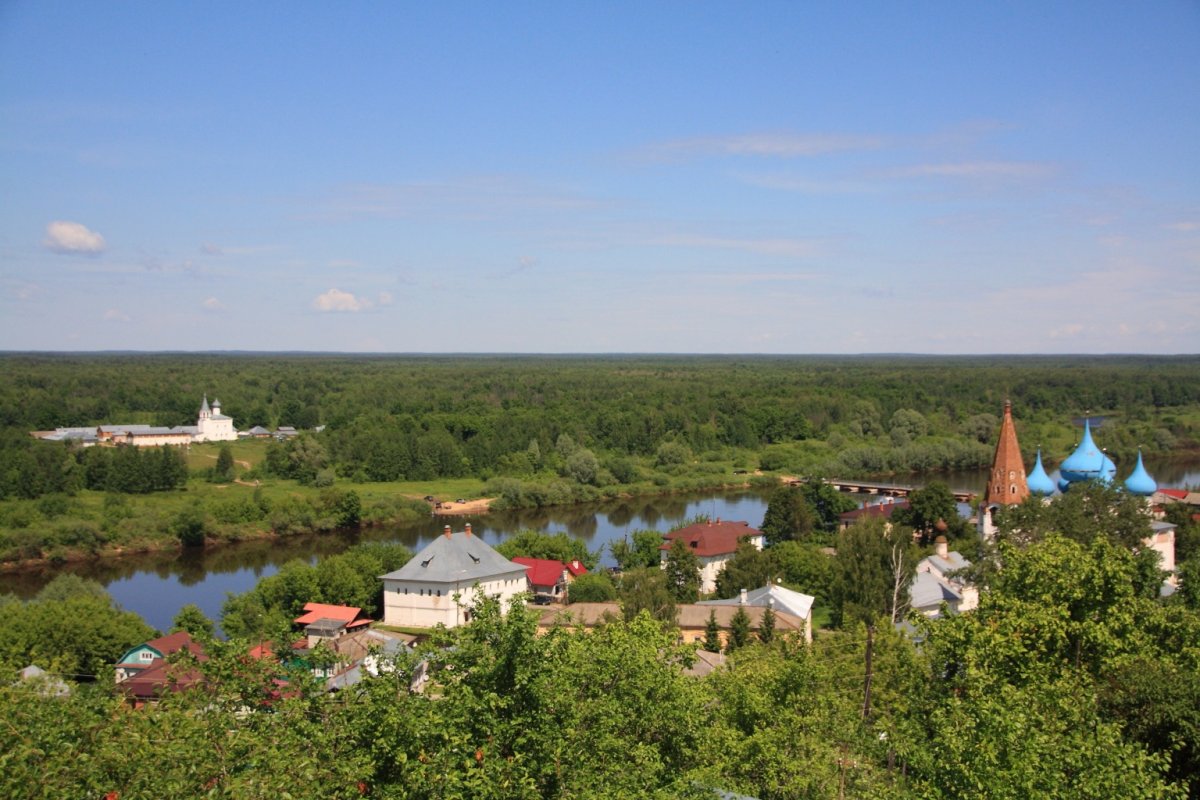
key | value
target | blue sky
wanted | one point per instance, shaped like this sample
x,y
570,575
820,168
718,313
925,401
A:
x,y
601,177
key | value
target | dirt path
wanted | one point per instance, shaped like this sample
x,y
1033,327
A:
x,y
237,461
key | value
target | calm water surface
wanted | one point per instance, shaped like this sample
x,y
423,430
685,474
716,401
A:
x,y
158,585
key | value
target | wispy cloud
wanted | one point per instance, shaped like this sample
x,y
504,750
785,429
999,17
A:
x,y
760,145
471,198
1184,226
116,315
72,238
790,248
212,304
1009,170
212,249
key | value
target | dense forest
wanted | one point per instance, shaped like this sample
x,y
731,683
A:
x,y
531,430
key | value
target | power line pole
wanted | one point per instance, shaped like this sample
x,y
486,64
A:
x,y
866,712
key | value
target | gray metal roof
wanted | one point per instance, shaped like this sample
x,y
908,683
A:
x,y
926,591
455,558
952,562
786,600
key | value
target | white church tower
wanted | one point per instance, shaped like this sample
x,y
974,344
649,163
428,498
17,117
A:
x,y
212,425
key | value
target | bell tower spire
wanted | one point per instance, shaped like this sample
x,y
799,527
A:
x,y
1006,482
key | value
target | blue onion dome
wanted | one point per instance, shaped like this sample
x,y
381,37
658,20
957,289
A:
x,y
1038,481
1087,462
1063,485
1140,482
1108,471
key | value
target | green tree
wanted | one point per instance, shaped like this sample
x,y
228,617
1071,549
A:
x,y
739,630
874,567
929,511
646,589
225,466
193,620
788,517
643,552
827,504
766,626
712,633
682,570
561,546
592,587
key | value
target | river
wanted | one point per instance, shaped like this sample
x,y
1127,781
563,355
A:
x,y
157,585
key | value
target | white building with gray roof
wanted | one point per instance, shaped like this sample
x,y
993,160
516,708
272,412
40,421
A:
x,y
440,583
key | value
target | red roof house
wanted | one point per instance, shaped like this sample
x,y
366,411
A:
x,y
884,510
549,576
144,673
714,543
323,621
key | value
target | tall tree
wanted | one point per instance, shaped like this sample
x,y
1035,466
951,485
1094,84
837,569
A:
x,y
874,569
788,517
682,571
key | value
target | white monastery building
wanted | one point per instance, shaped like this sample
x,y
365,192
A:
x,y
211,426
441,582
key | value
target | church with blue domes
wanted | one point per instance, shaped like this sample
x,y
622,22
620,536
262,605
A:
x,y
1008,483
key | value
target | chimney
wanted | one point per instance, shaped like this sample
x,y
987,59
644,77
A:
x,y
941,547
742,598
468,529
446,531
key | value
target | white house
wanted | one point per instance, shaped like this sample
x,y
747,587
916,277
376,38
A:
x,y
439,584
714,543
935,583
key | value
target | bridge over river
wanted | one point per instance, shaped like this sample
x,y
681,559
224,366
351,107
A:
x,y
884,489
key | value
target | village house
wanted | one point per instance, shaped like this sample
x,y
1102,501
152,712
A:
x,y
549,577
440,583
713,543
325,623
936,583
144,672
881,510
692,619
779,598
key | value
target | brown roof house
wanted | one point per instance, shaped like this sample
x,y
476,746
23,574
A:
x,y
714,543
145,672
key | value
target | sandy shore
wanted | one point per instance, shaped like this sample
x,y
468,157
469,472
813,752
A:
x,y
479,506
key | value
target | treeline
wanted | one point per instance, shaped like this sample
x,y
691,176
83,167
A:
x,y
416,418
31,470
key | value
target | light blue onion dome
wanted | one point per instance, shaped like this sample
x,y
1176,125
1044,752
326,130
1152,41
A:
x,y
1087,462
1140,481
1108,471
1038,481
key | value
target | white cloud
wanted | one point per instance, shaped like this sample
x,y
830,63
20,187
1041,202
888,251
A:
x,y
116,315
343,263
337,300
210,249
73,239
1068,331
385,298
212,304
1183,227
